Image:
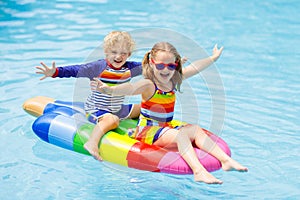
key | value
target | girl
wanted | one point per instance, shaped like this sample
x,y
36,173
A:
x,y
162,69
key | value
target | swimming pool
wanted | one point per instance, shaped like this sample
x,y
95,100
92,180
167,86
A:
x,y
259,70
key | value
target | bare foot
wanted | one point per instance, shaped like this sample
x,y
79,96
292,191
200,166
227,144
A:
x,y
232,165
206,177
92,148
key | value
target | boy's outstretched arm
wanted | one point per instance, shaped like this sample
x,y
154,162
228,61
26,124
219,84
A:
x,y
45,70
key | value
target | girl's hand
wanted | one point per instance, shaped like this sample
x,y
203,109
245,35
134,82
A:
x,y
184,60
48,72
216,52
93,85
102,87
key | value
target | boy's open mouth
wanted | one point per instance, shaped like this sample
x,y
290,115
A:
x,y
118,61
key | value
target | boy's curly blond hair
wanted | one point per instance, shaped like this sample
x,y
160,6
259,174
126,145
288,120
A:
x,y
116,37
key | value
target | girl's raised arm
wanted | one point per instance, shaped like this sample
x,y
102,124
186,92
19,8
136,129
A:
x,y
199,65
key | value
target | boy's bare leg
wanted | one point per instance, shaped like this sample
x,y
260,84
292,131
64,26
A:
x,y
135,113
105,124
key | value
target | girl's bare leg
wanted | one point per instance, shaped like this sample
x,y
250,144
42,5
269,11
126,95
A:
x,y
188,154
204,142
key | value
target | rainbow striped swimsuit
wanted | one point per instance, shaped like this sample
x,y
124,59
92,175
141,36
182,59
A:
x,y
156,116
110,76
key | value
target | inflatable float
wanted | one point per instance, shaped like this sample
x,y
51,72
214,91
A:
x,y
64,124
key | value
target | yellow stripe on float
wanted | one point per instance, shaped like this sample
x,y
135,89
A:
x,y
115,147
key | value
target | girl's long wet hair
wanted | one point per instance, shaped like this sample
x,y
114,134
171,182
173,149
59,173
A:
x,y
148,72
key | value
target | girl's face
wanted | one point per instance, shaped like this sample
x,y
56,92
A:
x,y
167,60
117,55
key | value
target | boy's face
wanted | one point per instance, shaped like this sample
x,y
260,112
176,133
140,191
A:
x,y
117,55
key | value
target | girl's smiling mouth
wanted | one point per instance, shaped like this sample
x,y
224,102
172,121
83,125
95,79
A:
x,y
164,75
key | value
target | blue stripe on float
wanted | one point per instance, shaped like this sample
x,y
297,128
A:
x,y
79,106
49,108
70,103
42,124
62,131
55,107
66,111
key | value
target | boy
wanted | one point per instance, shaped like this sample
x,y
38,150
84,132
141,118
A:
x,y
102,109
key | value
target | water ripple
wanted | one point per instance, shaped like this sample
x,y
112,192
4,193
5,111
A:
x,y
255,105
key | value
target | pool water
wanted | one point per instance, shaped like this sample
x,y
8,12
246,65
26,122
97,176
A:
x,y
254,104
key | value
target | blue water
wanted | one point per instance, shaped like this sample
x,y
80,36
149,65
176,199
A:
x,y
253,104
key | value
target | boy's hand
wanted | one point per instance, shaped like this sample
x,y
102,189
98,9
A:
x,y
48,72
